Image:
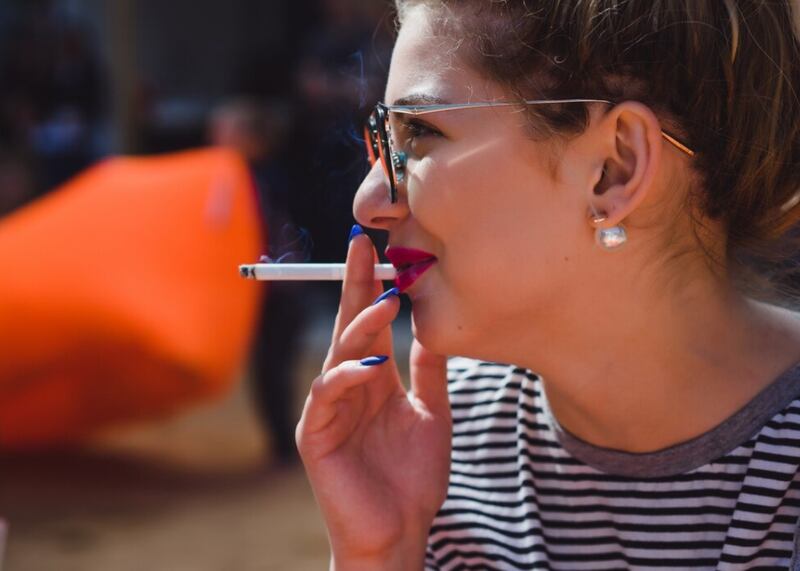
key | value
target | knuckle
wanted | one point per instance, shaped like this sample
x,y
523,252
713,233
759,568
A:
x,y
358,332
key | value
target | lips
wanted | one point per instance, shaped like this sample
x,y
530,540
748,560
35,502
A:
x,y
410,265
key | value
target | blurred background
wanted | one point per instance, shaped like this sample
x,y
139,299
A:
x,y
148,395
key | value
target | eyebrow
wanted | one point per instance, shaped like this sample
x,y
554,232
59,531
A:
x,y
420,99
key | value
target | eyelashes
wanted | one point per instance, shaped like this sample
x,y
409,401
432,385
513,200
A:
x,y
416,129
411,132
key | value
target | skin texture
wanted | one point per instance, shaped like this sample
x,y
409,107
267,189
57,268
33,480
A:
x,y
639,349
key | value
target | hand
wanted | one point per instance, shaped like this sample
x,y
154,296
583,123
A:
x,y
378,458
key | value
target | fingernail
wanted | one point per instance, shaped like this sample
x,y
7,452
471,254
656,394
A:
x,y
386,295
373,361
356,231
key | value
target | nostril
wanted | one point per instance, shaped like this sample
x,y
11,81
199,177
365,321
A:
x,y
382,220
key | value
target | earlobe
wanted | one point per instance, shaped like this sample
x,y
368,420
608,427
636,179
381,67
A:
x,y
633,136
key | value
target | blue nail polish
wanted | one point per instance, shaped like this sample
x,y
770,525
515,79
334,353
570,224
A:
x,y
356,231
386,295
373,361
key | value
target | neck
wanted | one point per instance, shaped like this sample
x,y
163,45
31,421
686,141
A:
x,y
640,372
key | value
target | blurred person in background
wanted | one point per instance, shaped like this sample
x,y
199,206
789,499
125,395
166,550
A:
x,y
256,132
53,94
65,130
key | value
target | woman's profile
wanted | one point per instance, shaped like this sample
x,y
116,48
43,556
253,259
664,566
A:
x,y
584,201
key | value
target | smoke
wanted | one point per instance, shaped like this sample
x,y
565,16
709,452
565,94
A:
x,y
293,244
361,82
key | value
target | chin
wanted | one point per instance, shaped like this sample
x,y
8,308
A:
x,y
437,332
427,331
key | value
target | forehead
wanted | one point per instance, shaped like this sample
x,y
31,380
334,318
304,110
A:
x,y
429,64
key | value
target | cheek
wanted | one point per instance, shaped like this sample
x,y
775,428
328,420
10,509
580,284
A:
x,y
492,210
463,191
503,231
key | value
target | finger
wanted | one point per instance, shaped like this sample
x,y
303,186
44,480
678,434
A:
x,y
429,379
359,288
329,389
366,333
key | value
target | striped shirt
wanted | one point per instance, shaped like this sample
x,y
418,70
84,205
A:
x,y
526,494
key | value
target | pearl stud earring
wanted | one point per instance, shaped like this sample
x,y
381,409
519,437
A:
x,y
609,239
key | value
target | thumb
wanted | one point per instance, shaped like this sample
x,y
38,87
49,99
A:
x,y
429,379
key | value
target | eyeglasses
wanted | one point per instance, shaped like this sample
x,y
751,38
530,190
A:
x,y
377,132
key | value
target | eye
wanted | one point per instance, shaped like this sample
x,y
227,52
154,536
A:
x,y
416,129
415,135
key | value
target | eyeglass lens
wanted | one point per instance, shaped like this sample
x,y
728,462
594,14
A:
x,y
376,138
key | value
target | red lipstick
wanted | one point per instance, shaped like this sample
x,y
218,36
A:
x,y
410,265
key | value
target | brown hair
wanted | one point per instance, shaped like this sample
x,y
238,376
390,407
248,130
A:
x,y
721,74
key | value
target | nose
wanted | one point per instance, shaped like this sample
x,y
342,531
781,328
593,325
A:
x,y
372,206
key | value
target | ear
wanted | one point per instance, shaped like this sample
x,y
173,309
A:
x,y
630,145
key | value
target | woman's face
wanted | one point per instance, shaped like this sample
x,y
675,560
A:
x,y
508,237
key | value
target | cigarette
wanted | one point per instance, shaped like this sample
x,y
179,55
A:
x,y
307,272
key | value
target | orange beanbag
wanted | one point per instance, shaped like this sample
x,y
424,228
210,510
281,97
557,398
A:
x,y
120,297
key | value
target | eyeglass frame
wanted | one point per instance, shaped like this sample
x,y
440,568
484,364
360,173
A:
x,y
378,141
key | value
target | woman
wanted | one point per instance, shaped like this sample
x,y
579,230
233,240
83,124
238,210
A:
x,y
600,243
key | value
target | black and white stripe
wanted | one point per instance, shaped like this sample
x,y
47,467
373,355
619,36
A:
x,y
518,499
